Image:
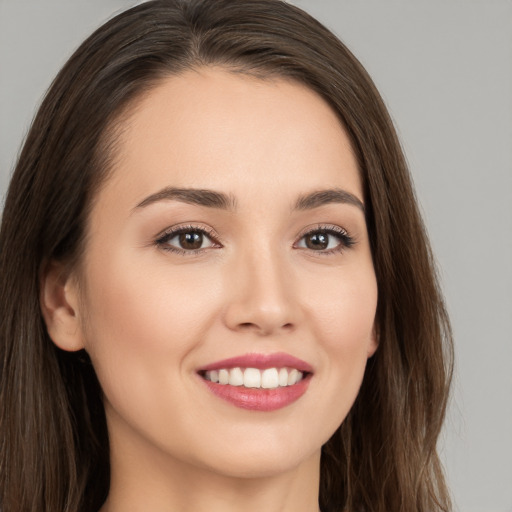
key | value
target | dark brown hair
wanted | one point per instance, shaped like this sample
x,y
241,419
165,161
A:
x,y
53,438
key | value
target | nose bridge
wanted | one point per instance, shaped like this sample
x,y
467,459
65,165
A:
x,y
261,297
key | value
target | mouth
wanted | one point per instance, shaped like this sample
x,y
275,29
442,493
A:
x,y
254,378
262,382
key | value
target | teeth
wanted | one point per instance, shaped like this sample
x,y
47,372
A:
x,y
292,377
269,378
223,376
283,377
252,378
236,377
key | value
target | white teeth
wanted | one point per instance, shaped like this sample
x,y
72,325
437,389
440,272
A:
x,y
236,377
269,378
252,378
292,377
283,377
223,376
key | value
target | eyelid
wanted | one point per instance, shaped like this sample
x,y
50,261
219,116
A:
x,y
346,239
172,231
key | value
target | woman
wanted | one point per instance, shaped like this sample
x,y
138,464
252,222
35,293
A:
x,y
216,287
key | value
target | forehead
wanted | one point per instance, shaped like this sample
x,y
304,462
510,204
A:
x,y
212,128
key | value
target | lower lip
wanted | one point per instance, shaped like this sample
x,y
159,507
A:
x,y
258,399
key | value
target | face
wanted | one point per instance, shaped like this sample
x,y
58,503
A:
x,y
228,290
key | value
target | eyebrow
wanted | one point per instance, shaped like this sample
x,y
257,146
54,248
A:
x,y
219,200
323,197
200,197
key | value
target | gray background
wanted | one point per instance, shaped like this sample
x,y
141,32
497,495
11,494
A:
x,y
444,68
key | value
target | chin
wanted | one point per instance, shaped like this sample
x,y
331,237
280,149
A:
x,y
263,457
270,465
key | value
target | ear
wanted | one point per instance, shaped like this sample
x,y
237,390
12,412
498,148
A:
x,y
59,305
374,341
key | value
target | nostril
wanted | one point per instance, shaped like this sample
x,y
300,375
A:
x,y
247,325
264,328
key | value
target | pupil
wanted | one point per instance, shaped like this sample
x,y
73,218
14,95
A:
x,y
191,240
317,241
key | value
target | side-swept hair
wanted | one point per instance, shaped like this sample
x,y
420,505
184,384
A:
x,y
53,438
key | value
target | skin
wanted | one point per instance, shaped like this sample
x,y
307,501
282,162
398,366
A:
x,y
149,317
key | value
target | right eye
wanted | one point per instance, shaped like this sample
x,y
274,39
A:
x,y
186,240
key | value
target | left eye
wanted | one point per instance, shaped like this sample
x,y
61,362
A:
x,y
189,240
323,240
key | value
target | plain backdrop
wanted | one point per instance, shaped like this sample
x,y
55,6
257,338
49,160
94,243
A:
x,y
444,68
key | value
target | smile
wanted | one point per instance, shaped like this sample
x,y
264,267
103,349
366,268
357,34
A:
x,y
270,378
262,382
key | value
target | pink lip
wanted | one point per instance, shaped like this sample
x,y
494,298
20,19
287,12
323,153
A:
x,y
261,362
258,399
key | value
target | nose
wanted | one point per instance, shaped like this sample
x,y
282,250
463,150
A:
x,y
261,295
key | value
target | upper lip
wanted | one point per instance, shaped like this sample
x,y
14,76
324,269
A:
x,y
261,362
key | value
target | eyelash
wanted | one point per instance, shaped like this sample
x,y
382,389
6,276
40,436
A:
x,y
163,239
346,241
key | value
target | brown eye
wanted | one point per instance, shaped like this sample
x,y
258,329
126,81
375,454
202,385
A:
x,y
317,241
327,240
191,240
186,240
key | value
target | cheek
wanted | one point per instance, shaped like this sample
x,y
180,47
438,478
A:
x,y
142,322
344,316
344,310
146,308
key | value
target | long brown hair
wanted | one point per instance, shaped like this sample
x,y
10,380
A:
x,y
53,437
